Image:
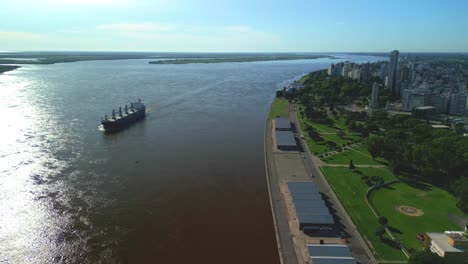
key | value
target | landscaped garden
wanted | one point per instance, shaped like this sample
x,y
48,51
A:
x,y
350,187
431,209
326,138
358,158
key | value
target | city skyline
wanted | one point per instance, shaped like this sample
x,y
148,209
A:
x,y
245,26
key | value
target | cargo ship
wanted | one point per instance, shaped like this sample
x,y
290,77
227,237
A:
x,y
122,119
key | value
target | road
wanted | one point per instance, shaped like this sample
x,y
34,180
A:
x,y
356,243
280,214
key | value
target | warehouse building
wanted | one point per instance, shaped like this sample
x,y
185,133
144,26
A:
x,y
330,254
285,140
282,124
311,212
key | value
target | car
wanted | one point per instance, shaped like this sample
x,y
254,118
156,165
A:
x,y
342,234
302,136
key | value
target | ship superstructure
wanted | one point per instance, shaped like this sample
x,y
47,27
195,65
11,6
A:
x,y
124,118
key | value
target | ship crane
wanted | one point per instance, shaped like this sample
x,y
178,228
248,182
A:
x,y
121,119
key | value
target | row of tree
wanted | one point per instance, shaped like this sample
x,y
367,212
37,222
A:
x,y
413,147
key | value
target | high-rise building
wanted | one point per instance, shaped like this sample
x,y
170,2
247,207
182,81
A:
x,y
458,104
392,74
439,102
375,96
335,69
365,72
383,71
346,69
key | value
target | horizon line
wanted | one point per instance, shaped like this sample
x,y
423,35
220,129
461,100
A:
x,y
214,52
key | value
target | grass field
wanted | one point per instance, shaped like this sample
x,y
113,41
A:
x,y
315,147
351,190
359,158
279,108
436,204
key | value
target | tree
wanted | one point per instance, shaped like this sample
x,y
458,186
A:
x,y
425,257
383,221
351,165
380,231
460,189
375,145
459,129
340,133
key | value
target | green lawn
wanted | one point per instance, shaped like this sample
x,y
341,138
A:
x,y
304,78
315,147
436,204
279,108
338,140
327,133
351,189
358,157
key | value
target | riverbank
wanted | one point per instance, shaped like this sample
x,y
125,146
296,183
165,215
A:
x,y
241,59
7,68
285,166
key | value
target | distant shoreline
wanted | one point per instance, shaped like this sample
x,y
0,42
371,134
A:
x,y
7,68
240,59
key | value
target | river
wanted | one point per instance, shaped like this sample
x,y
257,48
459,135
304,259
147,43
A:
x,y
186,185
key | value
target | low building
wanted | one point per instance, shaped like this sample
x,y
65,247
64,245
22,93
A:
x,y
450,245
424,112
285,140
329,254
282,124
311,212
440,127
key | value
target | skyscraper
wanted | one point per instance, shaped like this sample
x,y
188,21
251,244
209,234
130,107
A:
x,y
392,75
375,96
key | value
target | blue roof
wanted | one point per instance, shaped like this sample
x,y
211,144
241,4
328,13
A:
x,y
316,219
328,250
309,204
282,123
301,187
336,260
312,210
285,138
306,196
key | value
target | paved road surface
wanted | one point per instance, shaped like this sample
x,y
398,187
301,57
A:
x,y
280,213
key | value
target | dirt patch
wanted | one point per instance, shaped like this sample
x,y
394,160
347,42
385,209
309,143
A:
x,y
421,194
409,210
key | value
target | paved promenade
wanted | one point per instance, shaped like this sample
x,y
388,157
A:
x,y
300,166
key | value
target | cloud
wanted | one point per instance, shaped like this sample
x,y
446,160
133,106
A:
x,y
145,37
238,28
141,27
109,3
19,36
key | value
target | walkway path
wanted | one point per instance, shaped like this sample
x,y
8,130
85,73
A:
x,y
357,166
280,213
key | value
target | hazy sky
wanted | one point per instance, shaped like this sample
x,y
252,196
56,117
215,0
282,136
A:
x,y
237,25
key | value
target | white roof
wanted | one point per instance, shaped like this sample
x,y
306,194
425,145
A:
x,y
441,240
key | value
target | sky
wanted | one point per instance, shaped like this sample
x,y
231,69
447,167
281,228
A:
x,y
234,26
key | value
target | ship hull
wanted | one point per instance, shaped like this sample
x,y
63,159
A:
x,y
123,122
